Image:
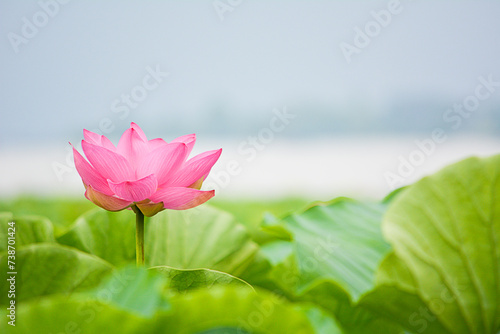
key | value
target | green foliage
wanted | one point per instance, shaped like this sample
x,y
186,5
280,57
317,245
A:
x,y
134,289
45,269
185,280
108,235
250,213
202,237
234,310
341,241
424,260
445,231
60,211
331,260
74,314
132,301
27,230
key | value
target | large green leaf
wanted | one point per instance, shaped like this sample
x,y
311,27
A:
x,y
44,269
135,289
233,310
24,230
250,212
221,310
445,230
108,235
203,237
76,314
183,280
275,269
340,240
321,321
142,291
132,300
61,211
331,261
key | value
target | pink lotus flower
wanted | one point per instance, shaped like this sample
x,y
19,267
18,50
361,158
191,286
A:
x,y
152,174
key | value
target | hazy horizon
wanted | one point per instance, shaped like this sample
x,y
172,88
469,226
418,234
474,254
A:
x,y
75,70
363,71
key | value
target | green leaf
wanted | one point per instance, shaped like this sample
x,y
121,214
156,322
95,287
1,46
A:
x,y
233,310
202,237
275,269
224,330
44,269
108,235
26,230
134,289
331,261
445,230
61,211
141,291
76,314
340,240
321,321
217,310
272,225
250,213
353,318
183,280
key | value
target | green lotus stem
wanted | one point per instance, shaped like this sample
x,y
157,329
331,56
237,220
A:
x,y
139,236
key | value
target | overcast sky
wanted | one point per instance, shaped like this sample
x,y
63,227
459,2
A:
x,y
73,70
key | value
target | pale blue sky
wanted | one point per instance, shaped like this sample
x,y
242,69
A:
x,y
263,55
